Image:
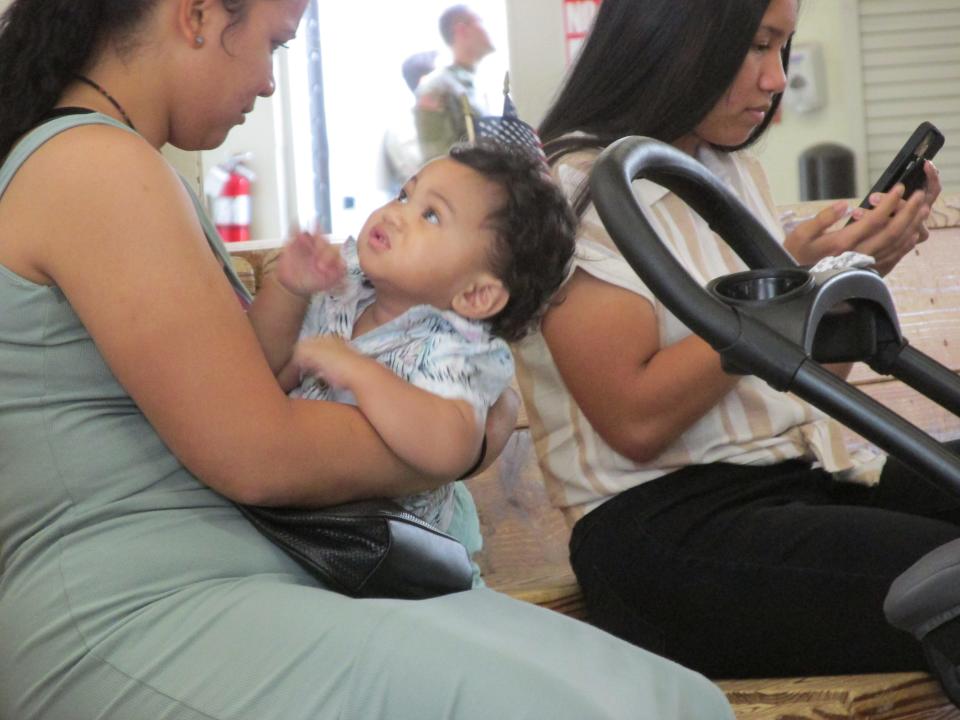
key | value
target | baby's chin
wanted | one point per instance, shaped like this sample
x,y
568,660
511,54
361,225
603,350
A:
x,y
363,255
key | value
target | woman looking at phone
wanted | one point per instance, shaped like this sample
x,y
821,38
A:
x,y
718,522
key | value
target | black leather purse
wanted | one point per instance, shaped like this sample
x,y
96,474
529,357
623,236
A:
x,y
368,548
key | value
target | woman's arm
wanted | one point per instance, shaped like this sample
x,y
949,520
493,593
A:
x,y
637,396
501,422
276,315
307,264
126,249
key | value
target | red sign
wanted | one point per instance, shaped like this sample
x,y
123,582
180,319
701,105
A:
x,y
577,20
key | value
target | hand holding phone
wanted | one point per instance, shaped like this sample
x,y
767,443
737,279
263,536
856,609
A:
x,y
908,165
896,228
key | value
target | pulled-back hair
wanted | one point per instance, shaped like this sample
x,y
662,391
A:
x,y
535,233
45,43
653,68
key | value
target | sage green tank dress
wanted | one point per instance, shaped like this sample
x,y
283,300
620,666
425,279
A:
x,y
131,591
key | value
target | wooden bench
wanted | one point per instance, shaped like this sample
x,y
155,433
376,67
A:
x,y
525,538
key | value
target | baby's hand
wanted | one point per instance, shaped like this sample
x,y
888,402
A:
x,y
308,264
327,357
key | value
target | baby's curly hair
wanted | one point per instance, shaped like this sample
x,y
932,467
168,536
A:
x,y
535,232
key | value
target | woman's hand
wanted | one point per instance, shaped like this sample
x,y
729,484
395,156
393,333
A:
x,y
501,422
887,232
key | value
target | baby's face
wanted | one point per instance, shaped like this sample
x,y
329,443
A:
x,y
432,240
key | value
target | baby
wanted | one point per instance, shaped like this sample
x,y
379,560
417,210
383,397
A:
x,y
411,321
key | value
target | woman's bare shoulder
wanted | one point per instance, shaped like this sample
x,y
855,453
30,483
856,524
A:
x,y
91,189
89,157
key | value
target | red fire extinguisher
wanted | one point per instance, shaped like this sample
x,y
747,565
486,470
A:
x,y
228,186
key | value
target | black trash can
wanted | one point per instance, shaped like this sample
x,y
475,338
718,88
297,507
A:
x,y
827,172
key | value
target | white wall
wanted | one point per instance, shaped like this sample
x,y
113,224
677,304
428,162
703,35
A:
x,y
537,54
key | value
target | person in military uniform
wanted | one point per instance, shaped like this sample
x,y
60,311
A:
x,y
446,94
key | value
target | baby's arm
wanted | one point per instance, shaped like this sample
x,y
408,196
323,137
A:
x,y
307,264
437,435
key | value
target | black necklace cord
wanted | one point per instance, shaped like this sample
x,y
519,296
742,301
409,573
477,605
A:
x,y
108,96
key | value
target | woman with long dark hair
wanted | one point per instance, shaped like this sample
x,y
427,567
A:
x,y
717,521
136,405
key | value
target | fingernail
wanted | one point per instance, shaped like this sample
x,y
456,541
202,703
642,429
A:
x,y
876,199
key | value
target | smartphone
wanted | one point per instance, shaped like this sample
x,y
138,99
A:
x,y
907,166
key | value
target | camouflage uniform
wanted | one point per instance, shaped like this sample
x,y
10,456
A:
x,y
439,113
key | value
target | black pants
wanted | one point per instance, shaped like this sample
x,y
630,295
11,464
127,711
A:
x,y
761,571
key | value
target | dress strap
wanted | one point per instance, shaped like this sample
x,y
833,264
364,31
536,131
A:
x,y
219,248
33,140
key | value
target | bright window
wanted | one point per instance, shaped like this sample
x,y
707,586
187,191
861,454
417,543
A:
x,y
362,47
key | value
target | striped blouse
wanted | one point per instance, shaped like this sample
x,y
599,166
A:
x,y
752,425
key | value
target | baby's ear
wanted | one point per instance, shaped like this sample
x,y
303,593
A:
x,y
483,298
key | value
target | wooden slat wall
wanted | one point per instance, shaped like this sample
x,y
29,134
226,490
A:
x,y
910,51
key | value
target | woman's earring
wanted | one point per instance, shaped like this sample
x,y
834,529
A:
x,y
198,40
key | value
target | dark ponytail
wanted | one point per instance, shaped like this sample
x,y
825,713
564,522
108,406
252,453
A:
x,y
43,43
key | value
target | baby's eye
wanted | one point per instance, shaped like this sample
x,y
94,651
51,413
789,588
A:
x,y
402,196
431,216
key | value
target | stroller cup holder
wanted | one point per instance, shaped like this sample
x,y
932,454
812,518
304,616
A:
x,y
835,316
758,286
779,322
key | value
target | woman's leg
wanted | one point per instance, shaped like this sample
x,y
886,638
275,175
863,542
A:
x,y
903,488
269,650
745,571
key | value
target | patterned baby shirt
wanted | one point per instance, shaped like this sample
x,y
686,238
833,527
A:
x,y
435,350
